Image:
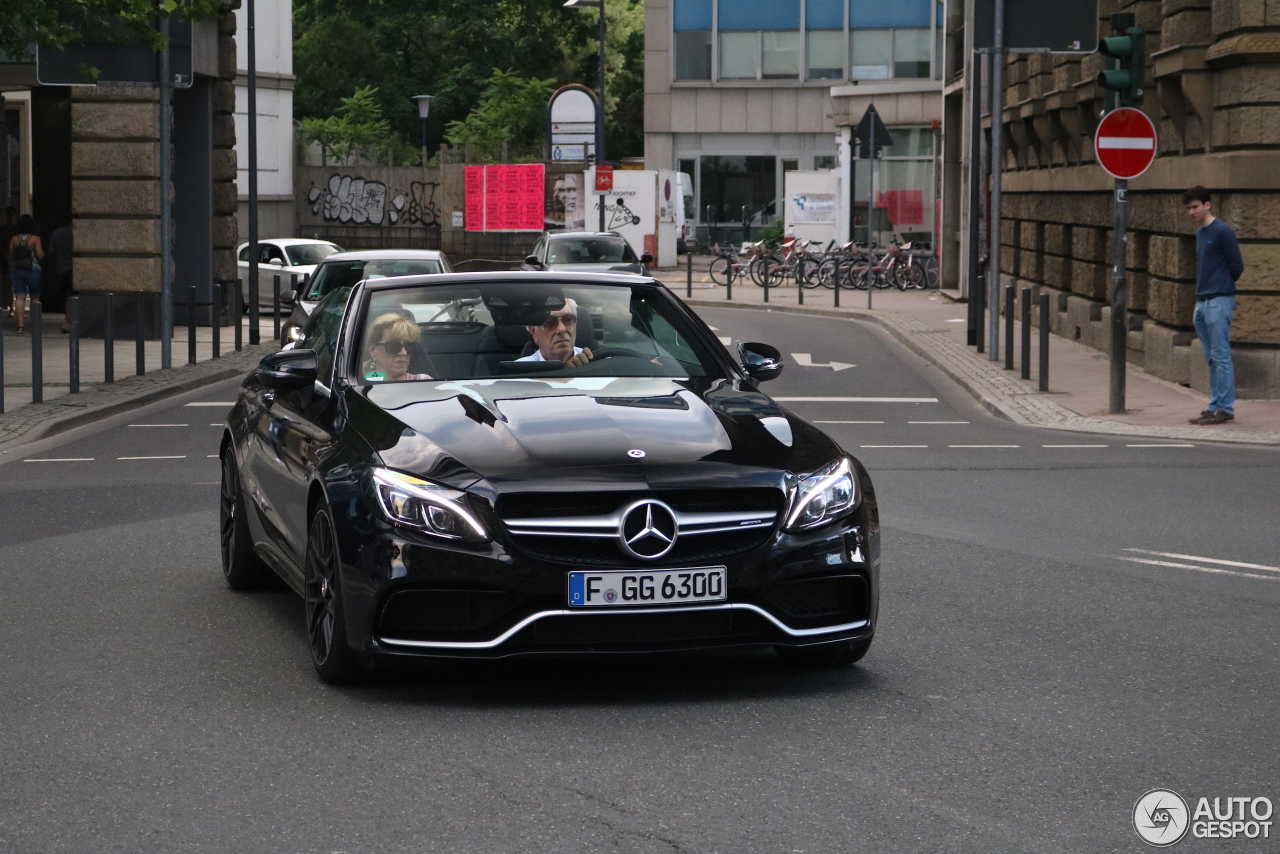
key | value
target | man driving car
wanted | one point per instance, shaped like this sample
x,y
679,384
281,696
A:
x,y
555,337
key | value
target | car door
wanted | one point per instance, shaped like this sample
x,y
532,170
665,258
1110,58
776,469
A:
x,y
293,429
272,264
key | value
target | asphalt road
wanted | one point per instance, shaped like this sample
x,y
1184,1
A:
x,y
1029,680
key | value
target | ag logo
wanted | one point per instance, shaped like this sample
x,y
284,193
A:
x,y
1161,818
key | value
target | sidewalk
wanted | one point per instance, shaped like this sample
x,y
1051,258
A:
x,y
24,421
933,326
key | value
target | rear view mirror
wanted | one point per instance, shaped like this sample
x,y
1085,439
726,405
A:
x,y
289,369
761,361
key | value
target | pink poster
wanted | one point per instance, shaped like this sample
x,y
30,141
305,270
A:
x,y
473,190
505,197
904,207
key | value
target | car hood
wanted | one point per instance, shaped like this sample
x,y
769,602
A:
x,y
514,434
634,268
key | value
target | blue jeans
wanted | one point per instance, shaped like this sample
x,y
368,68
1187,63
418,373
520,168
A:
x,y
1213,325
26,283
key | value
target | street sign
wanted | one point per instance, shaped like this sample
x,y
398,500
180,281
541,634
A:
x,y
1125,143
572,116
1062,26
871,130
604,180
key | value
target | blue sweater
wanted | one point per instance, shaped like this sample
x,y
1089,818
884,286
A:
x,y
1218,261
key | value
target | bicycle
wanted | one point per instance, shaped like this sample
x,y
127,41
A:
x,y
727,267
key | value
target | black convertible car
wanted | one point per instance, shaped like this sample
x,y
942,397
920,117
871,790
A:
x,y
494,464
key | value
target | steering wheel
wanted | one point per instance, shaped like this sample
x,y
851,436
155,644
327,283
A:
x,y
610,352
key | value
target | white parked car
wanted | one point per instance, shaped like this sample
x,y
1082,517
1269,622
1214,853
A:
x,y
284,257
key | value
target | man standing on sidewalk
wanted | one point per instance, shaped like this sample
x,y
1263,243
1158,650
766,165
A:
x,y
1218,266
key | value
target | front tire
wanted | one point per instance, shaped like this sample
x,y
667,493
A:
x,y
335,662
829,656
241,566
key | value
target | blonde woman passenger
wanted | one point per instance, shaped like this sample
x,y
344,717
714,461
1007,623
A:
x,y
387,353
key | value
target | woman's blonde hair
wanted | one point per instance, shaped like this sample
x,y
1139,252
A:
x,y
393,326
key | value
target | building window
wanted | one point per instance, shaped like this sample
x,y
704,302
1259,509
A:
x,y
780,55
884,53
693,54
739,56
737,189
824,161
825,54
911,53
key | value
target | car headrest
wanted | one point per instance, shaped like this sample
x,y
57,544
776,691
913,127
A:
x,y
512,336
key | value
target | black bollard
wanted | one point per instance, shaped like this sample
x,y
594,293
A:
x,y
1026,333
109,339
1,368
688,275
215,319
728,287
37,352
191,324
799,292
836,281
139,348
1044,342
237,309
73,342
275,305
1008,327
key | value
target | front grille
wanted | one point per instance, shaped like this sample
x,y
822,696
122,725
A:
x,y
620,629
427,614
820,601
690,548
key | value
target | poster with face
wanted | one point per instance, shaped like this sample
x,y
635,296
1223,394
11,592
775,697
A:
x,y
565,209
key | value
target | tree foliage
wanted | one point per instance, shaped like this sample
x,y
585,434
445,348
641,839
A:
x,y
511,115
357,131
451,49
53,24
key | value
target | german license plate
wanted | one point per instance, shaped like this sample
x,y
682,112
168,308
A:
x,y
656,587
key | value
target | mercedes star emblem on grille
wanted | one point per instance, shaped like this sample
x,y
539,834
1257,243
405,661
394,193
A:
x,y
636,453
648,530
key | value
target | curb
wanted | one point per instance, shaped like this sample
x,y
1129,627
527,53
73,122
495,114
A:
x,y
237,364
1053,416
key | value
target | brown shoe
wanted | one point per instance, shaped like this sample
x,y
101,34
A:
x,y
1199,419
1219,416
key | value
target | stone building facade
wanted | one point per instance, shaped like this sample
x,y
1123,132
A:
x,y
1213,90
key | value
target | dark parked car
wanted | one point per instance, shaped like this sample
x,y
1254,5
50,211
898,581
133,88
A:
x,y
494,464
344,269
586,252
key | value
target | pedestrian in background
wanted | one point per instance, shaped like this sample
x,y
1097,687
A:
x,y
1218,266
25,254
7,230
60,245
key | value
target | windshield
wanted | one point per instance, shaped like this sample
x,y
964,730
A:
x,y
524,329
345,274
310,254
590,250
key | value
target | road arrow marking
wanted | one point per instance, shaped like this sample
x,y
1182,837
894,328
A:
x,y
805,360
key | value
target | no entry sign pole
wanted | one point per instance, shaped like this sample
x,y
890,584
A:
x,y
1125,144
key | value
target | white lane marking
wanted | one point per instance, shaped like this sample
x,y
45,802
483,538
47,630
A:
x,y
937,422
725,340
1180,445
1136,143
159,425
211,456
1075,446
1200,568
62,460
177,457
894,446
954,320
805,360
713,328
211,403
857,399
1240,564
984,446
848,422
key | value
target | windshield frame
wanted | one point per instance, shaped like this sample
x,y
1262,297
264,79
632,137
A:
x,y
347,362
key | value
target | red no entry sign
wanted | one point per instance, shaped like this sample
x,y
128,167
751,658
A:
x,y
1125,143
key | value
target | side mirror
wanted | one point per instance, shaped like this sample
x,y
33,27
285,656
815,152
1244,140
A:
x,y
532,261
289,369
761,361
275,262
646,259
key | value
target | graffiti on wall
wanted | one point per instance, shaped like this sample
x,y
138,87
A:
x,y
352,200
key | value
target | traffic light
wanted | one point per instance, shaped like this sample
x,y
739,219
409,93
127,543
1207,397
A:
x,y
1130,52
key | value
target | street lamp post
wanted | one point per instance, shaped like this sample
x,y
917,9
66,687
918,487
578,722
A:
x,y
424,110
596,4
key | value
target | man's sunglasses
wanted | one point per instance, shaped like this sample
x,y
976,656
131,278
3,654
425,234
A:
x,y
394,348
551,323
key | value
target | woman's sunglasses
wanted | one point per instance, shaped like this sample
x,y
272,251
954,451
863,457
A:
x,y
393,348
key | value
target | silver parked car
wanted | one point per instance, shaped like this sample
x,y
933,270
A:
x,y
586,252
345,269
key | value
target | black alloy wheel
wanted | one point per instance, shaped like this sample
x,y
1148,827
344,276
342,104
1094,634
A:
x,y
825,656
241,566
333,658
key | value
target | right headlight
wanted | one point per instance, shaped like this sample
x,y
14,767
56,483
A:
x,y
426,506
820,497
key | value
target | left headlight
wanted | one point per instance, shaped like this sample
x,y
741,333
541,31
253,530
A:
x,y
426,507
820,497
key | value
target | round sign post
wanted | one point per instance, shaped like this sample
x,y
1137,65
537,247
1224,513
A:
x,y
1125,145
